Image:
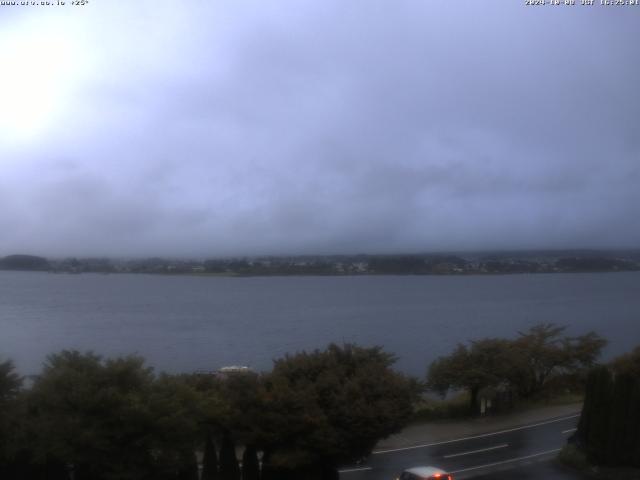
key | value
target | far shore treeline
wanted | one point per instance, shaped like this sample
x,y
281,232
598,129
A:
x,y
88,417
564,261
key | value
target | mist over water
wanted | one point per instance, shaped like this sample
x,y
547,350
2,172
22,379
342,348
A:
x,y
184,323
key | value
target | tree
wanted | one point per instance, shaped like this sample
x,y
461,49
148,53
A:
x,y
250,464
229,469
541,353
525,364
10,417
609,426
91,413
188,469
485,363
10,381
176,410
209,460
594,419
112,419
235,405
623,438
628,363
332,406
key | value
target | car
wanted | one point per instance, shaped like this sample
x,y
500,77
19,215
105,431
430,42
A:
x,y
424,473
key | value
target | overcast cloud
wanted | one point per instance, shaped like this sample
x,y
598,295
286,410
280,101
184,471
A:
x,y
221,128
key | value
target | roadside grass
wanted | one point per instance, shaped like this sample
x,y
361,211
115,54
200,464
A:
x,y
555,400
457,406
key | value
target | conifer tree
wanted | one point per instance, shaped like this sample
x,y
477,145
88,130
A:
x,y
229,469
189,466
597,435
609,427
330,473
209,460
250,464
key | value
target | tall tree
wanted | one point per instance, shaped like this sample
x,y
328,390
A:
x,y
209,460
188,469
609,426
250,464
11,415
237,406
594,420
10,381
229,469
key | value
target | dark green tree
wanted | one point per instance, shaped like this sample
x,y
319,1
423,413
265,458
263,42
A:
x,y
229,469
188,469
250,464
11,417
209,460
91,413
10,382
593,425
328,407
111,419
542,353
526,364
624,421
628,364
609,427
176,409
235,405
485,363
268,471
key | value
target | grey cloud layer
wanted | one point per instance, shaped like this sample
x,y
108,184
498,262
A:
x,y
242,127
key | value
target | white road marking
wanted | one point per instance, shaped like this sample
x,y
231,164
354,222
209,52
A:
x,y
504,445
361,469
484,435
507,461
569,430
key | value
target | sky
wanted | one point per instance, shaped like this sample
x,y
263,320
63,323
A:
x,y
215,128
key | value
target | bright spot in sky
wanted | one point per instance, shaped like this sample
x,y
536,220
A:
x,y
40,66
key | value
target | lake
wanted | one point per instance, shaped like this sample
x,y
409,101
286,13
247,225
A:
x,y
186,323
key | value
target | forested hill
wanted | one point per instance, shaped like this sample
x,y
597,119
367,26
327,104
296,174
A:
x,y
24,262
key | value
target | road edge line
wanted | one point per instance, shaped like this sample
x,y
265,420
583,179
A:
x,y
482,435
471,452
359,469
511,460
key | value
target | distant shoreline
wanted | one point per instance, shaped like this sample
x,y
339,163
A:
x,y
264,275
343,265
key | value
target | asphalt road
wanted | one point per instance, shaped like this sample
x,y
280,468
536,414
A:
x,y
542,470
511,453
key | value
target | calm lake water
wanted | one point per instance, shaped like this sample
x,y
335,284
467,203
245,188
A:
x,y
184,323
